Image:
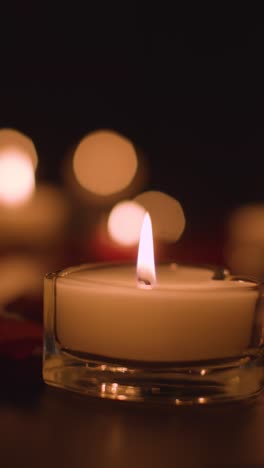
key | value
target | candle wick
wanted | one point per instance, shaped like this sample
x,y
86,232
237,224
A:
x,y
144,283
220,274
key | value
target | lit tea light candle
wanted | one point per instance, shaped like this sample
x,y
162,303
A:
x,y
166,314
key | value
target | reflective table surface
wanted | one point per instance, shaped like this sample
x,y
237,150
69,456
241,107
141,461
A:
x,y
42,426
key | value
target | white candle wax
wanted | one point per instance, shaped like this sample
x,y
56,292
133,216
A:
x,y
186,316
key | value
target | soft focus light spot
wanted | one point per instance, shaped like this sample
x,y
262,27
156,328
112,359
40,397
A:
x,y
146,273
85,195
202,400
14,142
114,388
125,221
245,250
17,179
247,224
166,214
247,260
105,162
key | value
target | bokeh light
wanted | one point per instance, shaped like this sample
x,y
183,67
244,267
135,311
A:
x,y
168,220
105,162
247,224
86,198
246,260
125,222
17,179
245,249
15,142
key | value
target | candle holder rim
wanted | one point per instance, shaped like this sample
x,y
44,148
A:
x,y
217,270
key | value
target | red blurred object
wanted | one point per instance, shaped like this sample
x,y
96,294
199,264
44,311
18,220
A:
x,y
19,339
105,250
202,252
199,247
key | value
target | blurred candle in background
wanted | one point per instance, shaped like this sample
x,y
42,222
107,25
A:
x,y
117,235
125,221
18,161
17,180
29,216
102,170
245,246
105,162
100,245
16,143
167,216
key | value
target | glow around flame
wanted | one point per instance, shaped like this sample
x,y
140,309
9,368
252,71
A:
x,y
146,273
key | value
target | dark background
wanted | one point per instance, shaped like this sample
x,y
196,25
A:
x,y
187,88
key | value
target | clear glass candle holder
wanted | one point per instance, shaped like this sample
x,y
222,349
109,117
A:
x,y
108,339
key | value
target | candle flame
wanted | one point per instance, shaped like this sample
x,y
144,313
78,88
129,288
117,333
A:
x,y
146,273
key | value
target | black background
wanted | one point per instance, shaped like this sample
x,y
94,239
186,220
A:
x,y
187,88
